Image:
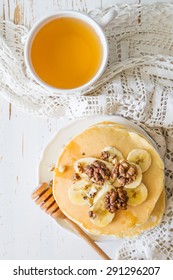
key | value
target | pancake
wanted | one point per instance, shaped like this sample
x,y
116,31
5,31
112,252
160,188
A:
x,y
153,220
90,143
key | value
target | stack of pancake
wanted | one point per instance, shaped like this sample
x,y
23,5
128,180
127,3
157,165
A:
x,y
91,215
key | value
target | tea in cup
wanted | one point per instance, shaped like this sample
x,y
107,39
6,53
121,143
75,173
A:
x,y
66,52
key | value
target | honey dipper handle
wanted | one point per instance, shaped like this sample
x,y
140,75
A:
x,y
80,232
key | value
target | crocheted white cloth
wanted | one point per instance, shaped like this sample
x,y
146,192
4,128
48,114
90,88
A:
x,y
137,84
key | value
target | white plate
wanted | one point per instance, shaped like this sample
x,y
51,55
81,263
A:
x,y
62,137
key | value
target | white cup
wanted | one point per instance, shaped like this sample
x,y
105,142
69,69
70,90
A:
x,y
78,15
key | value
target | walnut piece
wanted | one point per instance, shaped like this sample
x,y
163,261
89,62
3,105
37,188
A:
x,y
76,177
105,155
97,172
116,199
124,172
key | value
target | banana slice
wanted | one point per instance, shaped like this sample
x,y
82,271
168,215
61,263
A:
x,y
77,192
102,217
80,164
140,157
138,179
114,154
137,196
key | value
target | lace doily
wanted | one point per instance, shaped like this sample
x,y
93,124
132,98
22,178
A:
x,y
137,84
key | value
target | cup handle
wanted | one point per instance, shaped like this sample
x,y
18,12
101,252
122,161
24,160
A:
x,y
108,17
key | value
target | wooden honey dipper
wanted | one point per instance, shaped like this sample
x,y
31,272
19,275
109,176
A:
x,y
43,196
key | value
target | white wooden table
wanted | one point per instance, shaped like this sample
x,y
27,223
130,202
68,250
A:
x,y
25,231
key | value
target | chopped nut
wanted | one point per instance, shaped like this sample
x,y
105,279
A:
x,y
52,168
125,164
76,177
132,170
97,172
116,199
99,164
89,170
115,171
121,181
116,168
124,172
114,160
92,214
121,169
105,155
104,174
80,167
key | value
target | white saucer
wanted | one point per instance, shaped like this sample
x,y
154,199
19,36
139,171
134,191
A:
x,y
63,136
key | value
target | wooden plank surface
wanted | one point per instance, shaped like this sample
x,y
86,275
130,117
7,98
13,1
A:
x,y
26,232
